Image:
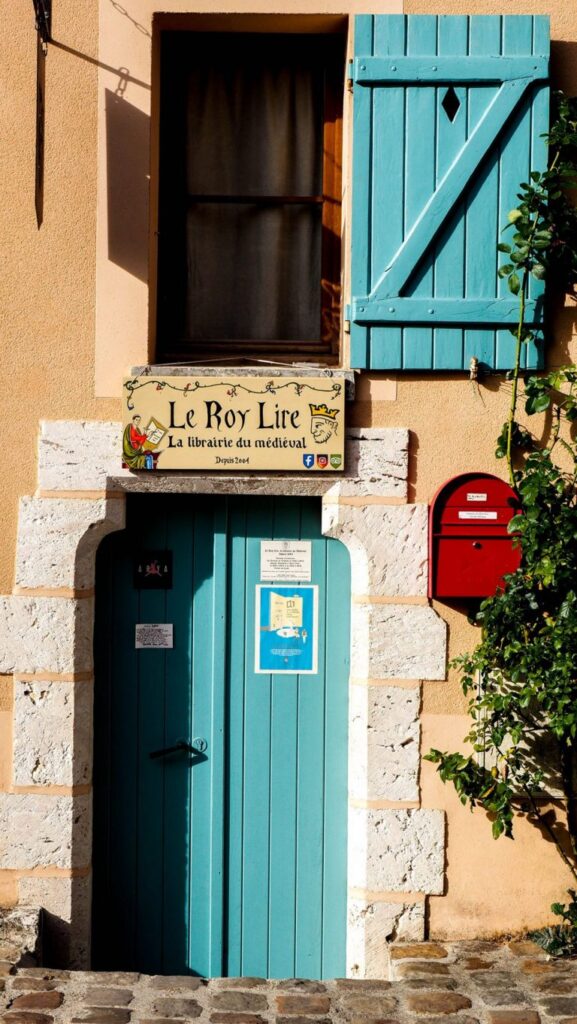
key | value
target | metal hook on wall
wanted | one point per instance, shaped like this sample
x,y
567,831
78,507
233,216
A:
x,y
43,15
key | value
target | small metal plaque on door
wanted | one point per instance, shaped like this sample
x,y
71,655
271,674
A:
x,y
153,570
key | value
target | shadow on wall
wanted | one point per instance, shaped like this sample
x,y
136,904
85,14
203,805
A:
x,y
127,162
564,66
66,928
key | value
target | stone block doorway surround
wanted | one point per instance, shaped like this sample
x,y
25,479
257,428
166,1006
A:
x,y
396,851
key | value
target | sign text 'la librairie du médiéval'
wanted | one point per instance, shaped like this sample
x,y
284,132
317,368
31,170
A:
x,y
233,423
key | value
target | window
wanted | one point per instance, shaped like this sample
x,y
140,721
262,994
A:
x,y
249,195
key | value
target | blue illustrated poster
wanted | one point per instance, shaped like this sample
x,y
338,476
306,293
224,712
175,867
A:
x,y
286,629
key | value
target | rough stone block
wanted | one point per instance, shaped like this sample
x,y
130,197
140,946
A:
x,y
384,742
75,455
388,545
104,1015
419,951
561,1007
58,538
45,634
176,1008
239,1001
65,935
397,850
107,996
420,969
52,733
176,981
38,1001
44,831
514,1017
368,1007
371,926
393,641
377,460
438,1002
303,1004
222,1017
19,930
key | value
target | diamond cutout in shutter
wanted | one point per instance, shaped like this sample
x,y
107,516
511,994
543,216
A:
x,y
451,103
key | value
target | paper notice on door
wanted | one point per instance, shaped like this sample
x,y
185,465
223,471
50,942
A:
x,y
286,620
285,560
153,635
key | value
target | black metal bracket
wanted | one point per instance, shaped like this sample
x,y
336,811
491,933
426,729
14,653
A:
x,y
43,13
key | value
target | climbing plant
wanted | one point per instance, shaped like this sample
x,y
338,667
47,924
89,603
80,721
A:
x,y
521,678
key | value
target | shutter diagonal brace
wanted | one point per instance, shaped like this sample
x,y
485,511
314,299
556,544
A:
x,y
449,191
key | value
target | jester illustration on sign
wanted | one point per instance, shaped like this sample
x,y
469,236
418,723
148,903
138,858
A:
x,y
323,423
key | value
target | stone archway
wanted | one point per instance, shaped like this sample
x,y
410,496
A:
x,y
396,847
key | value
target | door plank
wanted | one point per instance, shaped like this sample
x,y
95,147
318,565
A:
x,y
177,771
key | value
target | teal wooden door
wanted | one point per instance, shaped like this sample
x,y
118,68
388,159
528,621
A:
x,y
229,861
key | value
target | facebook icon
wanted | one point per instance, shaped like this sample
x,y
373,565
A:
x,y
309,461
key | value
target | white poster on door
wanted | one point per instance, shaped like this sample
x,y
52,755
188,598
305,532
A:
x,y
285,561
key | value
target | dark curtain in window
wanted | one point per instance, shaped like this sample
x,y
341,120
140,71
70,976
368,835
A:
x,y
245,120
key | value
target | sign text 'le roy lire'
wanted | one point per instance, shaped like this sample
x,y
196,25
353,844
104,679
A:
x,y
235,423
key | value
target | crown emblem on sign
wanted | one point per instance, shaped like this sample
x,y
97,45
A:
x,y
323,410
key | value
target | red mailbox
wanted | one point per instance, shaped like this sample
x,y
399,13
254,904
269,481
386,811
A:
x,y
469,548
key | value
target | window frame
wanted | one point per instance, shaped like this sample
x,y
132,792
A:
x,y
327,350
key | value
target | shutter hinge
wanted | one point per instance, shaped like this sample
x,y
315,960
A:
x,y
350,77
347,326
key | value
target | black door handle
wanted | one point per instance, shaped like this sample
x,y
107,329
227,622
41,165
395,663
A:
x,y
180,745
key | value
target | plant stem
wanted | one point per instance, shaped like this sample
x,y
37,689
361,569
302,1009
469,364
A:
x,y
516,370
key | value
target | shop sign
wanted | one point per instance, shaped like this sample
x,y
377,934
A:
x,y
293,424
286,630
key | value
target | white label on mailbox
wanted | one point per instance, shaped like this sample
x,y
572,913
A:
x,y
477,515
153,635
476,497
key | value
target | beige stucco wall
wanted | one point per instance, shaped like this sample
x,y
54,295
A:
x,y
50,289
47,282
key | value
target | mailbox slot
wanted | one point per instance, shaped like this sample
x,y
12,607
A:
x,y
469,548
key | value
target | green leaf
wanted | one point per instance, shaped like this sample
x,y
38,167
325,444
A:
x,y
497,828
514,215
514,284
538,403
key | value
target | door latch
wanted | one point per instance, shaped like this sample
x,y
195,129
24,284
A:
x,y
181,745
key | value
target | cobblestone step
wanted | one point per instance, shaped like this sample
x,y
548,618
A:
x,y
426,983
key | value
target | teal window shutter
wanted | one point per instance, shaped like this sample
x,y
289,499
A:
x,y
449,114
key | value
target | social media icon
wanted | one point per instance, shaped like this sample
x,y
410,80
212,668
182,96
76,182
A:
x,y
309,461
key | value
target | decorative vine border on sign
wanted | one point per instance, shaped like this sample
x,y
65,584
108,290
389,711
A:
x,y
270,388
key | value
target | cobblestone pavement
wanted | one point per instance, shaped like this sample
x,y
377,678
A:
x,y
429,983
